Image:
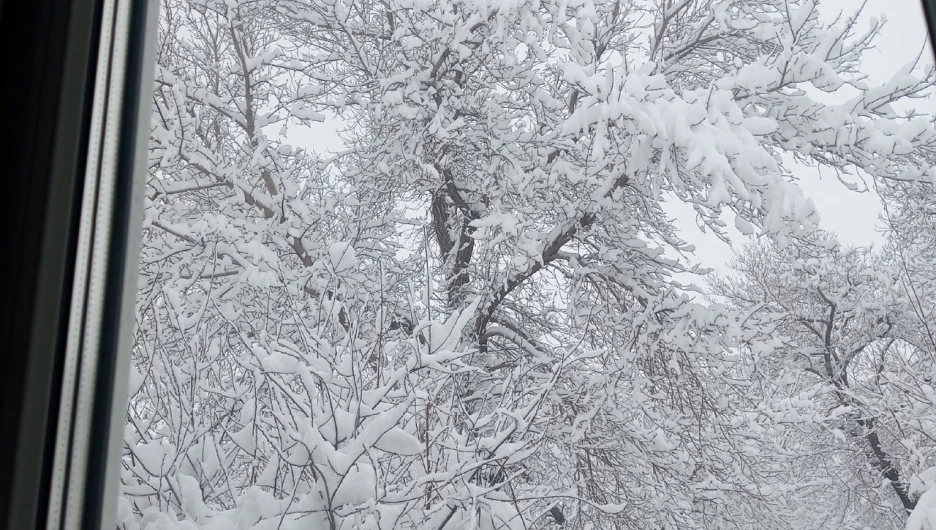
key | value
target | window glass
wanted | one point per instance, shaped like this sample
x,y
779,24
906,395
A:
x,y
601,264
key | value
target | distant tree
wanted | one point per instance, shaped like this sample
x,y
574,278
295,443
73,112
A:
x,y
848,337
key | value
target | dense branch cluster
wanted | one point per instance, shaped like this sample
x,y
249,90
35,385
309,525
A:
x,y
469,317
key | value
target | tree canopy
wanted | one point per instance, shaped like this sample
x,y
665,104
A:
x,y
469,316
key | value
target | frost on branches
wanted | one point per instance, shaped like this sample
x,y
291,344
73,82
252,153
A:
x,y
467,318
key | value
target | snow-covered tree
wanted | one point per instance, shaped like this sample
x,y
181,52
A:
x,y
467,317
910,220
847,338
